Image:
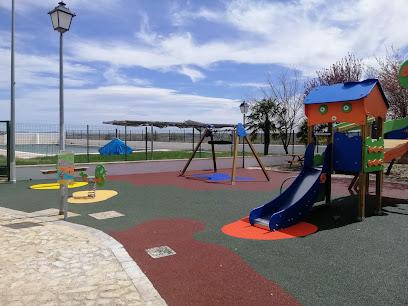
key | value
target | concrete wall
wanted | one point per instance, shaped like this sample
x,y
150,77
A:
x,y
138,167
37,138
3,139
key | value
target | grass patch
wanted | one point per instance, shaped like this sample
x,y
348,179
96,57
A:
x,y
135,156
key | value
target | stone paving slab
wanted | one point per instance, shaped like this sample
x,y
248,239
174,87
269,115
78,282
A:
x,y
56,262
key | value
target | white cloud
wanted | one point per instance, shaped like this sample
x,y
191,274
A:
x,y
34,70
122,103
311,34
239,84
194,74
27,6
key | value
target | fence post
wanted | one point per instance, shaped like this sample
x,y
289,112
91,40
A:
x,y
193,139
146,141
151,142
87,142
125,143
200,144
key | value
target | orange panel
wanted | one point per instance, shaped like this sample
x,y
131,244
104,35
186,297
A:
x,y
374,104
395,152
335,113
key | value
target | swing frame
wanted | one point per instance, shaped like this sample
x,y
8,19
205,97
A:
x,y
209,133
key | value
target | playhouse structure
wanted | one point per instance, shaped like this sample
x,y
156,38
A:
x,y
354,105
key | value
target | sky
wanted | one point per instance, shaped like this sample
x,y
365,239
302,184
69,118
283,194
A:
x,y
177,60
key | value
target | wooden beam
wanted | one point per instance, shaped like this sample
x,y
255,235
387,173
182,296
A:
x,y
328,176
362,178
194,152
310,134
234,161
213,153
257,157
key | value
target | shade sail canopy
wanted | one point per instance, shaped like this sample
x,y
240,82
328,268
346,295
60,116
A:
x,y
163,124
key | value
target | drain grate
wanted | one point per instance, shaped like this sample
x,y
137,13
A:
x,y
161,251
22,225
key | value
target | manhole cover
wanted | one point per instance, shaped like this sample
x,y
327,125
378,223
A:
x,y
161,251
22,225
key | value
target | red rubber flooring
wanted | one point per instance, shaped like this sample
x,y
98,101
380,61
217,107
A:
x,y
259,183
200,273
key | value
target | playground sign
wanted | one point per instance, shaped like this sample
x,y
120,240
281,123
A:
x,y
403,75
65,167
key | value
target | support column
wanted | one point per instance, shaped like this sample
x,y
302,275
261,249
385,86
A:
x,y
310,134
234,160
328,176
362,178
194,152
379,175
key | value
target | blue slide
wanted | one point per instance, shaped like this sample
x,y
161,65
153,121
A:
x,y
291,206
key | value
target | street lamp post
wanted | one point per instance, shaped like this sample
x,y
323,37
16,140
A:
x,y
12,131
61,18
244,107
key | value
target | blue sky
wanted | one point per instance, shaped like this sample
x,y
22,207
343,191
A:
x,y
167,60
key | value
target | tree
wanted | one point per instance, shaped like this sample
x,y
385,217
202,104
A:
x,y
346,70
286,91
387,73
260,118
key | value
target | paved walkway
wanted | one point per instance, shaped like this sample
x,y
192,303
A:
x,y
47,261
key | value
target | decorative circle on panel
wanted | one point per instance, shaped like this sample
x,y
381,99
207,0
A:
x,y
346,108
403,75
323,109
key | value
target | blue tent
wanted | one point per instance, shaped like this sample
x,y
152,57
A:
x,y
115,147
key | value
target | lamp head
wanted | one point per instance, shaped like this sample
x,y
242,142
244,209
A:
x,y
244,107
61,17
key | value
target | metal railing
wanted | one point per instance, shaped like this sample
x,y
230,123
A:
x,y
35,141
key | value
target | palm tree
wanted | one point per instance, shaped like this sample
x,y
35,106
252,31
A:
x,y
261,119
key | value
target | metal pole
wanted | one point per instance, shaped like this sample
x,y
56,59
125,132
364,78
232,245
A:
x,y
243,145
151,143
125,143
146,141
200,144
87,142
63,188
12,130
61,99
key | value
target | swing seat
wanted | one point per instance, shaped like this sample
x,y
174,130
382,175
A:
x,y
219,142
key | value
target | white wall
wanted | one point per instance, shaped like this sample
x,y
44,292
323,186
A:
x,y
137,167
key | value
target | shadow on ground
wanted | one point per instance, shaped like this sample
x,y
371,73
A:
x,y
342,211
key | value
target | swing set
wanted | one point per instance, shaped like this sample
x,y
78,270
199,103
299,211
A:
x,y
238,132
